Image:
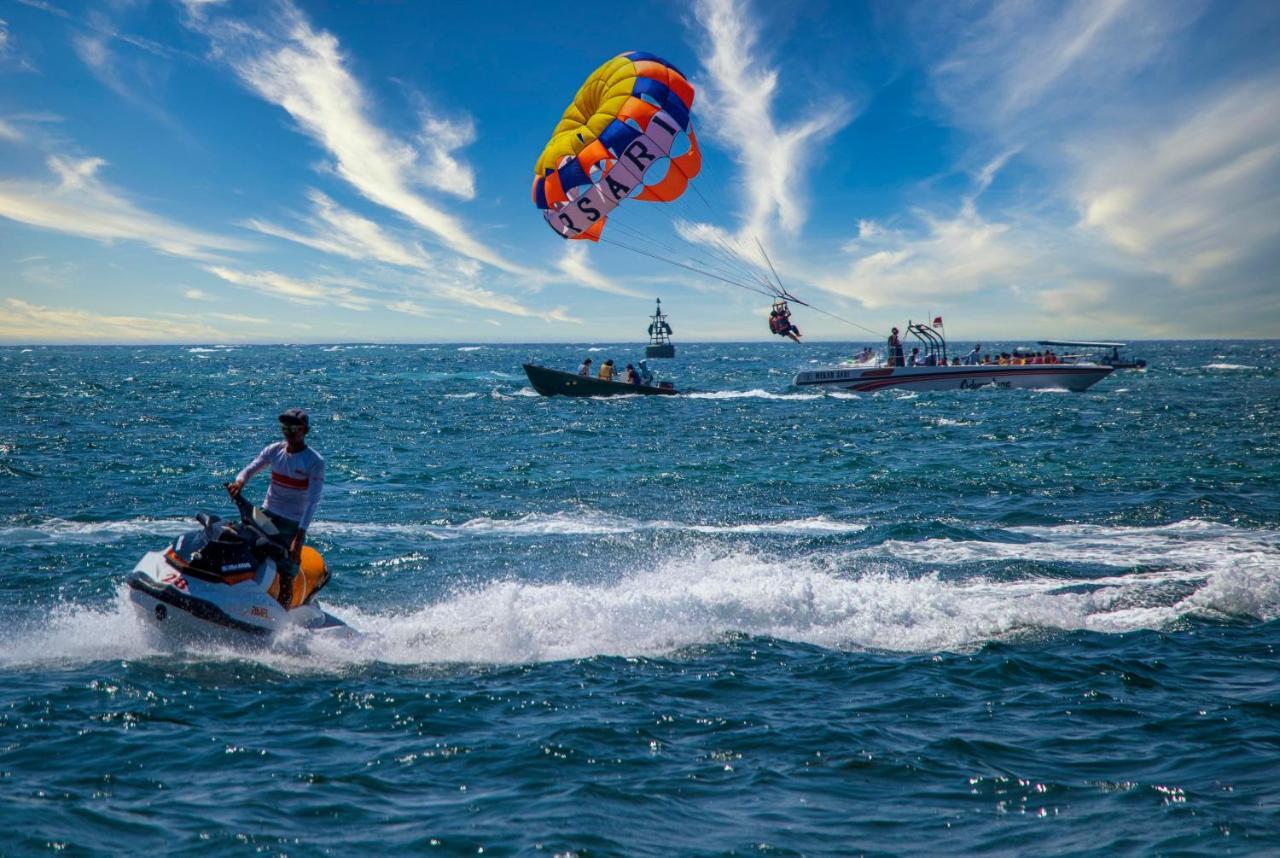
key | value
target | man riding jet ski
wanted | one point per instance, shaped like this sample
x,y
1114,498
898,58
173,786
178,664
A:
x,y
222,578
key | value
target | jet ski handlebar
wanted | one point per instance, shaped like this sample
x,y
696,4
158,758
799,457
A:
x,y
257,521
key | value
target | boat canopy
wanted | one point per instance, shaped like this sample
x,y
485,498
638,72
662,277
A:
x,y
1076,344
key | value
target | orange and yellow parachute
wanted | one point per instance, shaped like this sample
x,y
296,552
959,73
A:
x,y
629,116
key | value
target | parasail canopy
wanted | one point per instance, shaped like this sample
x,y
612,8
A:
x,y
629,119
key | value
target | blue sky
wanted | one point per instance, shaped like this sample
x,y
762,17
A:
x,y
282,171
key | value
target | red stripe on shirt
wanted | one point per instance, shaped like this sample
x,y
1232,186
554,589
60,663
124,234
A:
x,y
290,482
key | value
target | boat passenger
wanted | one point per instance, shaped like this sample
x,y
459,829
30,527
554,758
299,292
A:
x,y
895,349
606,370
646,377
633,377
914,360
974,357
585,369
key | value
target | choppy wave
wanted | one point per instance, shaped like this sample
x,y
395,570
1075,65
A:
x,y
1228,366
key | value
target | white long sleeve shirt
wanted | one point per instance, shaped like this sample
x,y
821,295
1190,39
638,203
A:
x,y
296,481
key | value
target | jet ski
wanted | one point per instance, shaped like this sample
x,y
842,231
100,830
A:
x,y
220,582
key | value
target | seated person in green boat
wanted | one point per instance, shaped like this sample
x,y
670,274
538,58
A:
x,y
606,370
633,377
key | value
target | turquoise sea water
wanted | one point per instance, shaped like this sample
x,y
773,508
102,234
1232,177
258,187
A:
x,y
750,620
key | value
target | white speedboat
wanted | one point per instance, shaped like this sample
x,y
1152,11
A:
x,y
939,374
1066,376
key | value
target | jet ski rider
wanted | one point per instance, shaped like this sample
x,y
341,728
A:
x,y
297,478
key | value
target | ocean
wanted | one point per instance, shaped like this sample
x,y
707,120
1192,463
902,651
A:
x,y
749,620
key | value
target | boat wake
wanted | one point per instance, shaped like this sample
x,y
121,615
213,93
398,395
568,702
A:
x,y
1082,578
584,523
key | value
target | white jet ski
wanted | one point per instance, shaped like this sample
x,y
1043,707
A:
x,y
220,582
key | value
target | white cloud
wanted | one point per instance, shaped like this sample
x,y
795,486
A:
x,y
305,72
333,229
737,99
79,203
336,230
575,265
197,295
1054,60
1193,198
947,258
458,281
8,132
331,292
22,321
441,170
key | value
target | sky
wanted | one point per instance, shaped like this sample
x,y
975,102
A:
x,y
204,171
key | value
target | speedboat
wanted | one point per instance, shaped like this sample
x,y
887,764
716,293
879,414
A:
x,y
220,582
935,372
554,382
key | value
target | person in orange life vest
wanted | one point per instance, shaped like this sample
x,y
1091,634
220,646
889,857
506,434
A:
x,y
297,479
606,370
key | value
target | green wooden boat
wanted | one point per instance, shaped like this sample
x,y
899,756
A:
x,y
553,382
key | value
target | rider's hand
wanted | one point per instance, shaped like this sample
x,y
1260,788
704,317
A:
x,y
234,487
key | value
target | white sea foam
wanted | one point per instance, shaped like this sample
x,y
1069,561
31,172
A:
x,y
585,523
470,348
834,602
756,393
1228,366
850,601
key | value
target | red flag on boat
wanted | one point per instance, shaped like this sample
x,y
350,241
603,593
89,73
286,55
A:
x,y
937,321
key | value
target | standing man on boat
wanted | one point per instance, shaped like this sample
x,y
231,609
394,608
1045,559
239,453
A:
x,y
297,479
895,349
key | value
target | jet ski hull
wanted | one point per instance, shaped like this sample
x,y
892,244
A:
x,y
186,608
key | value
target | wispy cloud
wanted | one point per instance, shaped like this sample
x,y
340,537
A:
x,y
79,203
303,70
22,321
441,169
1011,60
333,229
737,98
335,292
458,281
1195,199
575,265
